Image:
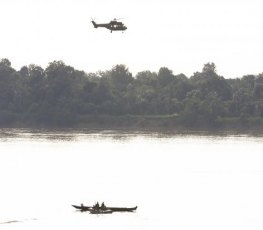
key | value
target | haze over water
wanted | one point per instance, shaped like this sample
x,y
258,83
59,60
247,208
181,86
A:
x,y
177,181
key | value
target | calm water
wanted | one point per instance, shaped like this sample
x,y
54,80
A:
x,y
178,181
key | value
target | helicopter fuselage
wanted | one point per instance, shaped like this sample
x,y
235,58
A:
x,y
112,26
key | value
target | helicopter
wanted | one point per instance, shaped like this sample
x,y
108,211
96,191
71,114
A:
x,y
113,25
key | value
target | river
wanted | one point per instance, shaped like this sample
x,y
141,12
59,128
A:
x,y
178,181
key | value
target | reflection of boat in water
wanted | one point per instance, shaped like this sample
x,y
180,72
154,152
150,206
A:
x,y
103,209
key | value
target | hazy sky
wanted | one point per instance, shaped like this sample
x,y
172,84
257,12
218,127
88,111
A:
x,y
179,34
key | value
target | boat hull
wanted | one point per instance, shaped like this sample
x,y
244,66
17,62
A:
x,y
116,209
82,208
100,212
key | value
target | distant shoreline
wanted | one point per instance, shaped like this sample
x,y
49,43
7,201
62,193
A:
x,y
162,123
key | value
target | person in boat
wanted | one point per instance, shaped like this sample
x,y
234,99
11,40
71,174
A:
x,y
103,206
96,206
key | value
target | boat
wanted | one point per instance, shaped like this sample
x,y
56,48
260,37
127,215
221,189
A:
x,y
104,210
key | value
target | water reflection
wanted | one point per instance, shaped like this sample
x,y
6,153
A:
x,y
66,135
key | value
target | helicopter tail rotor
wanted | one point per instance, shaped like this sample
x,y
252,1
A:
x,y
94,23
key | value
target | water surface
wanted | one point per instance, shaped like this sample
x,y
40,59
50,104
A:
x,y
189,181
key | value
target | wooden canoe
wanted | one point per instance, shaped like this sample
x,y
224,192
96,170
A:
x,y
113,209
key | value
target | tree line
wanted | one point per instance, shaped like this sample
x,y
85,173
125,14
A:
x,y
61,94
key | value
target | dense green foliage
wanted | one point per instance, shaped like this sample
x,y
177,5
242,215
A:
x,y
62,95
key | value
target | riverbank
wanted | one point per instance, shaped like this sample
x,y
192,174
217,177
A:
x,y
147,123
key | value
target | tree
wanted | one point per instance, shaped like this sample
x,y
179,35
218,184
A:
x,y
4,62
191,111
165,76
59,81
212,108
7,88
119,78
243,100
209,68
248,82
208,81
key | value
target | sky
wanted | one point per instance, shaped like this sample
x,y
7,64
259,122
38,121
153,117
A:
x,y
182,35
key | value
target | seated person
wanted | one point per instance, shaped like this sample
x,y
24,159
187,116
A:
x,y
103,206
